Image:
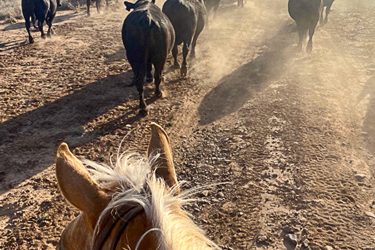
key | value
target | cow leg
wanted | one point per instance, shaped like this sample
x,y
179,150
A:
x,y
97,5
194,43
49,23
328,10
49,31
321,16
33,20
27,24
175,54
149,76
40,25
199,29
301,35
158,77
215,11
138,82
88,3
311,34
185,52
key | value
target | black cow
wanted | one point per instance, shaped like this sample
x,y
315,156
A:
x,y
306,14
41,10
148,37
327,4
97,3
188,18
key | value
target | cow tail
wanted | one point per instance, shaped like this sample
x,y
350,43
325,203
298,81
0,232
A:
x,y
148,40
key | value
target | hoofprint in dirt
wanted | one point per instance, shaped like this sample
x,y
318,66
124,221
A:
x,y
285,130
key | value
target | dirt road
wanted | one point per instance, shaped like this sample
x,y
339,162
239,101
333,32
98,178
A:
x,y
293,133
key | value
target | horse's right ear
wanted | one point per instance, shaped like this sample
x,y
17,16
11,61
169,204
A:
x,y
77,186
129,6
159,144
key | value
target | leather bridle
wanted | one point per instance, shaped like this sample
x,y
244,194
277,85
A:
x,y
124,215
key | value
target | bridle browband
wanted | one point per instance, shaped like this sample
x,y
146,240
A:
x,y
108,221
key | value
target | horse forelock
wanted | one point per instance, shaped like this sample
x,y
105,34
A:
x,y
134,185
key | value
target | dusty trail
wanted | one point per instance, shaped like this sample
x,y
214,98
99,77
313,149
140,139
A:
x,y
293,133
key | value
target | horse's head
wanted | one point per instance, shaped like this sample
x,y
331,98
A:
x,y
129,205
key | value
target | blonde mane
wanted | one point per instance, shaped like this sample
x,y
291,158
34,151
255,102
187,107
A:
x,y
132,179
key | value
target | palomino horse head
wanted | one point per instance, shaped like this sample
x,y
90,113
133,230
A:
x,y
130,205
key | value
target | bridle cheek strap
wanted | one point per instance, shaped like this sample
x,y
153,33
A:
x,y
108,222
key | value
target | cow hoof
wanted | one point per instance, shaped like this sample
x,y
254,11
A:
x,y
44,36
149,79
309,49
183,71
31,40
159,94
49,35
176,66
143,112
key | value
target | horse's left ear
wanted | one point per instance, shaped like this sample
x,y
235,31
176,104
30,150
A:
x,y
159,143
77,186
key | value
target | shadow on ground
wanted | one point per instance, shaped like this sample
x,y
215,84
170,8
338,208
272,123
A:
x,y
8,45
58,19
119,55
235,89
28,142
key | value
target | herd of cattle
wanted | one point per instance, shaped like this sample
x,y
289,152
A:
x,y
149,33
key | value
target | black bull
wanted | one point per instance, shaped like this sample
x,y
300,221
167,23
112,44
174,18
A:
x,y
148,37
41,10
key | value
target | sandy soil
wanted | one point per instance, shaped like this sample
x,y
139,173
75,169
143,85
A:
x,y
294,133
